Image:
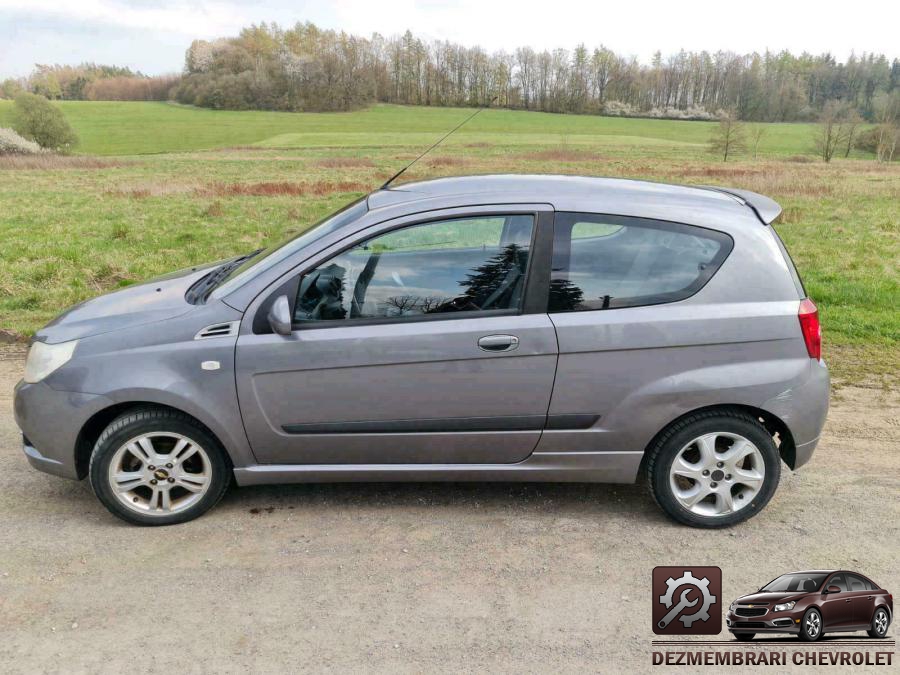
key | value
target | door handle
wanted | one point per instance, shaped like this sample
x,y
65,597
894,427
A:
x,y
848,600
498,343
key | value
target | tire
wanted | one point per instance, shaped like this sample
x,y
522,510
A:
x,y
724,427
193,473
744,637
811,625
880,622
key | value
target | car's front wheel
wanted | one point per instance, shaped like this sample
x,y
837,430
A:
x,y
744,637
714,468
811,625
880,623
155,466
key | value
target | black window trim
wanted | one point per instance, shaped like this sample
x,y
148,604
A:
x,y
726,247
542,222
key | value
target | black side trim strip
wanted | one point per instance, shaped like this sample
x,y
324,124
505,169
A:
x,y
573,421
437,425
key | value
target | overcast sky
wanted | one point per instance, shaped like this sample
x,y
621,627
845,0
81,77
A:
x,y
152,35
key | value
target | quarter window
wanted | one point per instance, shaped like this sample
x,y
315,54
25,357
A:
x,y
605,262
461,265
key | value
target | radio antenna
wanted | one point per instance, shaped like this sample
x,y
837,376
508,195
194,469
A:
x,y
440,140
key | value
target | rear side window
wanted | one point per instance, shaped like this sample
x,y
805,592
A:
x,y
606,262
858,583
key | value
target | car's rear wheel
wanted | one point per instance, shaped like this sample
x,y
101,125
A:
x,y
714,469
157,466
744,637
880,623
811,626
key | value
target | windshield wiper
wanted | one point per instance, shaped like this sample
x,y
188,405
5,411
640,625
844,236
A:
x,y
205,285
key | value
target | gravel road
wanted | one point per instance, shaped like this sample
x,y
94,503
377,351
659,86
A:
x,y
411,578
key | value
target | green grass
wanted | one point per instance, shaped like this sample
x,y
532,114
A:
x,y
130,128
74,227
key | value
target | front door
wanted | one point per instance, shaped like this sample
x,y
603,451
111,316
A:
x,y
412,346
837,608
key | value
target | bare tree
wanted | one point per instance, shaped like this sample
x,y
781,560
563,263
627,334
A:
x,y
728,138
833,129
757,132
852,120
887,133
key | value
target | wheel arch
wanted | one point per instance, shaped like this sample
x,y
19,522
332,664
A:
x,y
773,424
94,426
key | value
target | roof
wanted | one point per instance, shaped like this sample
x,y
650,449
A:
x,y
555,188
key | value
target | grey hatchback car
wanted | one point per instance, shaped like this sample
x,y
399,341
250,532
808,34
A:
x,y
488,328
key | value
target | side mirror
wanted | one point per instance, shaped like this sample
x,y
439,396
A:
x,y
279,316
833,589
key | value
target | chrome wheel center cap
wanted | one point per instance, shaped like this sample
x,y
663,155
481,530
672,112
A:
x,y
160,474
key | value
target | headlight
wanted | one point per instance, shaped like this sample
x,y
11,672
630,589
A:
x,y
43,359
731,607
785,607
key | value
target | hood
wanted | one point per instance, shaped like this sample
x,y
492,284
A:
x,y
771,598
148,302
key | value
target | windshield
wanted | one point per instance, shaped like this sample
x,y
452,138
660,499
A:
x,y
802,583
287,247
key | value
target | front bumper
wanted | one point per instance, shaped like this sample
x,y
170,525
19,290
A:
x,y
50,421
771,622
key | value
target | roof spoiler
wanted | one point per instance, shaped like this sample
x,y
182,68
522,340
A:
x,y
767,210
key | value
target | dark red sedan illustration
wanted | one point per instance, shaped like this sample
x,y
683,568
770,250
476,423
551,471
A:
x,y
810,604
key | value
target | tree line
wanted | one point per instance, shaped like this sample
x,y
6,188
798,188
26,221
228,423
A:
x,y
307,68
90,82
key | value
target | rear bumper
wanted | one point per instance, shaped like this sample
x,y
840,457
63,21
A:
x,y
50,421
803,409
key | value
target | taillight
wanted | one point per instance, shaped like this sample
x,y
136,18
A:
x,y
812,329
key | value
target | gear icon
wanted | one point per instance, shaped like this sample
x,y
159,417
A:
x,y
702,585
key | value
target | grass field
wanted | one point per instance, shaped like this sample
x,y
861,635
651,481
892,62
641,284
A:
x,y
114,128
157,187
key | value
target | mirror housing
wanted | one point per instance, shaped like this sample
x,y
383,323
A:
x,y
279,316
833,589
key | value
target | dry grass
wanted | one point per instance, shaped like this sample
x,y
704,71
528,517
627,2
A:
x,y
214,210
344,162
563,155
53,162
438,162
280,189
155,189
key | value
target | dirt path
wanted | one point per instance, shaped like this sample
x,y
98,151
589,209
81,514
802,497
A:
x,y
410,578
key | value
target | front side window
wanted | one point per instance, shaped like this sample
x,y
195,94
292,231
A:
x,y
605,262
838,580
475,264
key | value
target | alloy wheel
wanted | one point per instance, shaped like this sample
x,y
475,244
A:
x,y
881,622
813,624
160,473
717,474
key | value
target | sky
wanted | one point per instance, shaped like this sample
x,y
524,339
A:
x,y
152,35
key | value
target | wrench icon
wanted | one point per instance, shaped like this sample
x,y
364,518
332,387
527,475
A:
x,y
682,604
